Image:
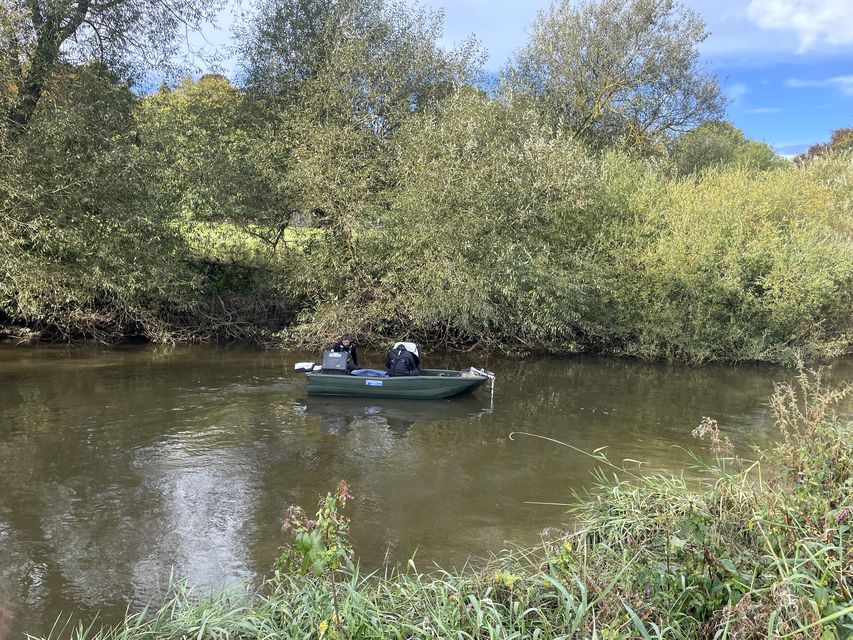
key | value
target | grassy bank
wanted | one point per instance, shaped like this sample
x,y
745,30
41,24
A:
x,y
758,549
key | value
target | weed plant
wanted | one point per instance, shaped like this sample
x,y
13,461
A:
x,y
757,549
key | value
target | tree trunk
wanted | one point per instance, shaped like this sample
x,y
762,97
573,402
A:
x,y
51,33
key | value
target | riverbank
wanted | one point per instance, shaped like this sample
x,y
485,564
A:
x,y
759,549
616,256
271,335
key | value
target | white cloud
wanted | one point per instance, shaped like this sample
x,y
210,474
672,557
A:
x,y
843,83
813,21
757,111
791,150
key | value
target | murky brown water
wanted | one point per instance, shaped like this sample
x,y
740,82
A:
x,y
118,467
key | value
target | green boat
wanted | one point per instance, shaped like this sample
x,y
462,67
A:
x,y
333,378
431,384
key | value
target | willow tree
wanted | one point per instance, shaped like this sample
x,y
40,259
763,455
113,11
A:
x,y
86,245
371,62
125,36
717,143
626,70
342,76
341,79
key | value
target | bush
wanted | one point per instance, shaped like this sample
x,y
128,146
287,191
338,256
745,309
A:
x,y
743,265
87,248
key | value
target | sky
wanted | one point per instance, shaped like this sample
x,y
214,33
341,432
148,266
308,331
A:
x,y
785,65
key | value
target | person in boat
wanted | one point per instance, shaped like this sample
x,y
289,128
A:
x,y
401,362
346,344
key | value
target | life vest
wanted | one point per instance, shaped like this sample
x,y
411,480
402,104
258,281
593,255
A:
x,y
400,362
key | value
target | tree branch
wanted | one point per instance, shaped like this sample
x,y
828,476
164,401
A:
x,y
35,13
77,17
96,30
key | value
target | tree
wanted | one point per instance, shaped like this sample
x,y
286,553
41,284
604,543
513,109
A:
x,y
284,43
338,79
613,70
85,246
718,143
367,63
125,36
840,140
215,158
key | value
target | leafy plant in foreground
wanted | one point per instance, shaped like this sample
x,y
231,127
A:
x,y
320,546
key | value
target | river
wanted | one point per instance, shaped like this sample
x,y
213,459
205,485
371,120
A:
x,y
119,467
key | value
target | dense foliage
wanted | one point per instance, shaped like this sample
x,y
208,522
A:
x,y
624,71
85,242
758,549
359,178
716,143
841,140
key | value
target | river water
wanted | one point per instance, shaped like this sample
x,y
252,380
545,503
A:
x,y
120,467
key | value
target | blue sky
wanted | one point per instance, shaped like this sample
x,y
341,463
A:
x,y
786,65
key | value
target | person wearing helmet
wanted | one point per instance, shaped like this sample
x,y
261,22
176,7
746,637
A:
x,y
401,362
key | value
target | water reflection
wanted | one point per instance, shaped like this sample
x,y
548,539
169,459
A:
x,y
338,416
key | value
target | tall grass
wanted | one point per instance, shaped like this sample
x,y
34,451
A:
x,y
758,549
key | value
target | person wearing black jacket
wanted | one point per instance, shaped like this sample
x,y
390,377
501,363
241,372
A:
x,y
401,362
346,344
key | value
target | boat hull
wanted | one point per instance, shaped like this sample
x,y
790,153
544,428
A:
x,y
430,385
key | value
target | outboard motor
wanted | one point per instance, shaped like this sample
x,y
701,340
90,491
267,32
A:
x,y
336,362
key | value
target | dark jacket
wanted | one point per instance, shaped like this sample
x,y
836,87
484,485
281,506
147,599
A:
x,y
350,350
400,362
